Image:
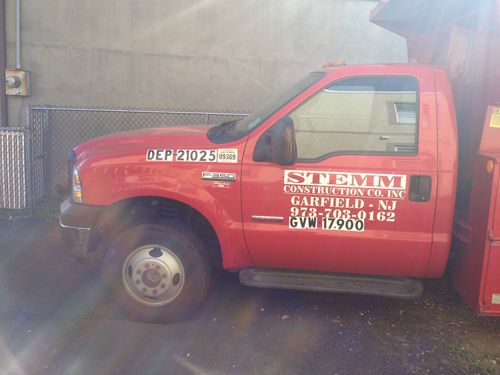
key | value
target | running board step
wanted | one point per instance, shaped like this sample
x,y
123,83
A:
x,y
396,287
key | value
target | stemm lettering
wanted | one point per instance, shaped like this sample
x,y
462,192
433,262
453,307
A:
x,y
380,181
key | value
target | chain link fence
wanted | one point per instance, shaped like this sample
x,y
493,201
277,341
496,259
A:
x,y
56,130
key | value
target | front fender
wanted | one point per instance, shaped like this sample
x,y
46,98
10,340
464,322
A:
x,y
219,202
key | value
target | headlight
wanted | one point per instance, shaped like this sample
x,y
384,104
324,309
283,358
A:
x,y
76,186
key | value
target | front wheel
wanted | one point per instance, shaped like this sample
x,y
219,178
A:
x,y
157,273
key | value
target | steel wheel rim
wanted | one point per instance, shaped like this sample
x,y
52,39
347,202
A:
x,y
153,275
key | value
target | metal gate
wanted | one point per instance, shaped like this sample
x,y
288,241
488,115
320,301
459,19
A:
x,y
13,157
24,163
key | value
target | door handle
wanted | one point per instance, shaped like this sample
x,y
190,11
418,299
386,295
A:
x,y
420,188
267,218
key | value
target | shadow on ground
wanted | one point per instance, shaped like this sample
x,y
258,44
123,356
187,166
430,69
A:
x,y
55,319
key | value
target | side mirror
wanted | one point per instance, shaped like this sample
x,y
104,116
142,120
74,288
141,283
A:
x,y
278,144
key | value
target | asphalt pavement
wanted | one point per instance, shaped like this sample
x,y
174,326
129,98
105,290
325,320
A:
x,y
55,319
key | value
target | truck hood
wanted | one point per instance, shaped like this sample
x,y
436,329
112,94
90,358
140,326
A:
x,y
194,136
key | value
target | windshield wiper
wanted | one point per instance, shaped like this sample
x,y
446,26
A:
x,y
222,128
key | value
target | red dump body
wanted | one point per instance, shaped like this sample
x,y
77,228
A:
x,y
463,38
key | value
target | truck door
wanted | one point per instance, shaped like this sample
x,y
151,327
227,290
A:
x,y
360,197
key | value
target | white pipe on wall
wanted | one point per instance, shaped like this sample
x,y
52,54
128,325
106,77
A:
x,y
18,34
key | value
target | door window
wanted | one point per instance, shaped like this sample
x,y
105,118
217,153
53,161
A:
x,y
359,115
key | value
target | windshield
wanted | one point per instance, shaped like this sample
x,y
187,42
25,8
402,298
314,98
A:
x,y
233,130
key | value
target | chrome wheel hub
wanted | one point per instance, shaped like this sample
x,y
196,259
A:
x,y
153,275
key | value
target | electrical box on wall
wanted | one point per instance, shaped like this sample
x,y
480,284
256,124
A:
x,y
17,82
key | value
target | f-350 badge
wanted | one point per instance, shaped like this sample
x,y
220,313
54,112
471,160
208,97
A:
x,y
218,176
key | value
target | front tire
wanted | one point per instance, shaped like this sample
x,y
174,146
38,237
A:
x,y
157,273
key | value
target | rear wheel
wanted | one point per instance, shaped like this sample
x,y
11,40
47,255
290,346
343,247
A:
x,y
157,273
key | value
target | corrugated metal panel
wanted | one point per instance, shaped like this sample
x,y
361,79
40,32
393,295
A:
x,y
12,170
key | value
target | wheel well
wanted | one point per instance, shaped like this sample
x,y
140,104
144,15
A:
x,y
150,210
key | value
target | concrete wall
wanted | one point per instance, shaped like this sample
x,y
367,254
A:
x,y
205,54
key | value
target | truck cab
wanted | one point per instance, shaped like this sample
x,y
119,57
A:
x,y
344,183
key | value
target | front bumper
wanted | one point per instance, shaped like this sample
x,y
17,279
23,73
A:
x,y
76,221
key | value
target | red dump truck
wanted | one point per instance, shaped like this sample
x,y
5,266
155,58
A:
x,y
345,183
